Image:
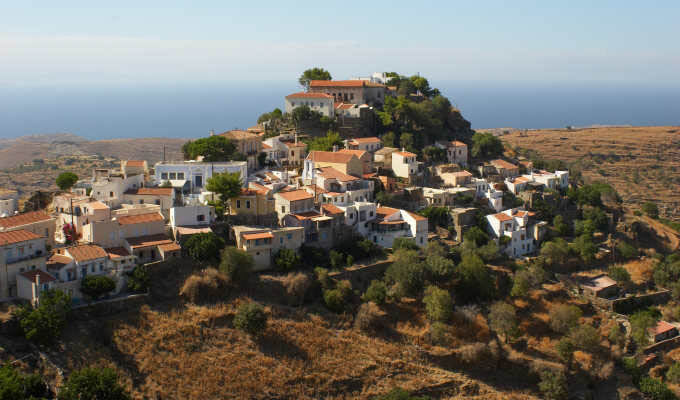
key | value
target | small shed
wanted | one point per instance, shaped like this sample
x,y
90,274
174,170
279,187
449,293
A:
x,y
663,331
600,286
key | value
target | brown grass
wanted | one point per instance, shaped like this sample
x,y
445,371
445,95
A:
x,y
640,271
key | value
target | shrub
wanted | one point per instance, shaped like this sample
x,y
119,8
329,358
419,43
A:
x,y
296,285
370,249
439,269
336,299
555,252
561,227
236,264
322,276
503,319
96,286
438,304
673,373
139,279
66,180
619,274
640,323
369,318
656,389
616,335
438,333
287,260
93,383
251,318
651,209
17,386
45,323
564,317
585,247
208,285
407,271
626,251
585,337
479,354
337,259
565,349
404,243
553,385
376,292
204,246
475,282
476,236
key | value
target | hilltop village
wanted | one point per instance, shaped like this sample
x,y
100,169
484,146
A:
x,y
372,199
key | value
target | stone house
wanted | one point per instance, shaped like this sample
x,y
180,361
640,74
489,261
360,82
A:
x,y
247,143
37,222
264,244
20,251
370,144
351,91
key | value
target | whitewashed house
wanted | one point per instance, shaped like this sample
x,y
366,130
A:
x,y
319,102
192,176
514,225
391,223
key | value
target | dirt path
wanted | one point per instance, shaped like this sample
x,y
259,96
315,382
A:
x,y
664,231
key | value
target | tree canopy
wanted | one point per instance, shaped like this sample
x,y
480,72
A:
x,y
236,264
212,148
204,246
45,323
93,384
96,286
17,386
66,180
313,74
486,145
226,184
325,143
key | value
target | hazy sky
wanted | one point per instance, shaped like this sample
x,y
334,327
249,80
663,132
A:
x,y
183,42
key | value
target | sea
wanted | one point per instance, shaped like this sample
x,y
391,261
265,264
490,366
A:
x,y
190,111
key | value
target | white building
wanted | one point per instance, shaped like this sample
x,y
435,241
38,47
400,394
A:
x,y
554,181
456,152
513,224
484,190
20,251
392,223
192,176
110,188
197,215
370,144
404,164
319,102
8,202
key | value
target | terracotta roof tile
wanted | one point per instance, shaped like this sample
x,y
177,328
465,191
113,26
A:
x,y
17,236
305,215
416,216
135,163
347,83
24,219
371,139
296,195
170,247
304,95
139,219
238,134
291,143
148,241
331,209
503,164
661,327
502,217
57,261
405,153
259,235
332,173
117,252
358,153
86,252
151,191
330,156
44,276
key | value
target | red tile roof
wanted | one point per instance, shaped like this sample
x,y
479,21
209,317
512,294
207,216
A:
x,y
416,216
348,83
24,219
17,236
461,173
260,235
291,143
503,164
134,163
502,217
266,146
139,219
384,212
117,252
238,134
405,153
170,247
358,153
331,209
305,215
44,276
661,327
344,106
86,252
332,173
296,195
304,95
371,139
57,261
148,241
330,157
150,191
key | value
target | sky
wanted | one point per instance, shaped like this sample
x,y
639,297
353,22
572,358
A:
x,y
188,42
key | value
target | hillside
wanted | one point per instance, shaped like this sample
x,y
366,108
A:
x,y
642,163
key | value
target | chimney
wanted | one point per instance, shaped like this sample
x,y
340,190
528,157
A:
x,y
212,132
296,138
335,148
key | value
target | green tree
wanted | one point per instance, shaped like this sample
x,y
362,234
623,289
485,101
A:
x,y
476,235
337,259
564,317
673,373
388,139
212,148
651,209
553,385
555,252
407,271
336,299
251,318
376,292
565,349
560,226
139,279
226,185
655,389
66,180
486,145
313,74
475,282
287,260
626,251
96,286
406,87
93,384
436,216
407,141
617,336
404,243
585,337
438,304
45,323
619,274
440,269
325,143
204,247
17,386
503,319
236,264
640,323
585,247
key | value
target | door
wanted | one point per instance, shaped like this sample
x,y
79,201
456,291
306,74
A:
x,y
198,181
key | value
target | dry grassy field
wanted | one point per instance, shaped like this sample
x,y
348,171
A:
x,y
642,163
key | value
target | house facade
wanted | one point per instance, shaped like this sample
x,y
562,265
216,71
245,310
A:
x,y
392,223
264,244
370,144
351,91
20,251
347,163
247,143
404,164
320,102
194,175
9,202
456,152
37,222
513,224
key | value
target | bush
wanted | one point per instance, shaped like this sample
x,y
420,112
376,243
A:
x,y
438,333
585,337
17,386
640,323
476,236
438,304
93,384
619,274
400,394
656,389
565,349
376,292
616,335
337,259
673,373
322,276
651,209
479,354
236,264
66,180
564,317
626,251
555,252
561,227
336,299
585,247
370,249
287,260
404,243
407,271
296,285
440,269
204,246
474,280
96,286
369,318
553,385
503,319
139,279
45,323
251,318
209,285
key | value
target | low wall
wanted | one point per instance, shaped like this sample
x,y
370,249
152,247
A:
x,y
361,275
664,345
629,304
110,306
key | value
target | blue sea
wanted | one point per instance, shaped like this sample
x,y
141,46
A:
x,y
185,111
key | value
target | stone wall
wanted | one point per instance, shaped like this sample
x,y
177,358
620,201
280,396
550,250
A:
x,y
110,306
360,276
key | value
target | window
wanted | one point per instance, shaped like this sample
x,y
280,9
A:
x,y
292,153
110,194
247,203
238,203
521,237
92,268
351,96
20,251
351,216
292,103
173,176
101,267
283,209
200,218
158,202
421,240
32,267
289,236
370,214
83,272
141,201
164,175
257,242
281,240
180,175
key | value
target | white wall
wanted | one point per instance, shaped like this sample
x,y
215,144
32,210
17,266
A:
x,y
189,216
200,172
